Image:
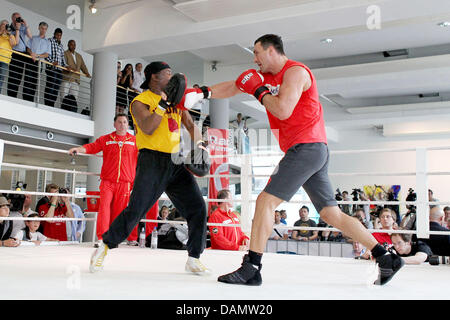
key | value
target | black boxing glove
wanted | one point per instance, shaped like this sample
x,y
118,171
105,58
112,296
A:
x,y
198,162
174,91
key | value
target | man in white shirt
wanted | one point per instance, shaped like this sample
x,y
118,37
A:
x,y
277,232
138,77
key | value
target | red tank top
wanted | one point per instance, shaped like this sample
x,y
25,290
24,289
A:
x,y
306,124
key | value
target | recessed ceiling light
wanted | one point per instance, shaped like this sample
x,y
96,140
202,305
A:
x,y
326,40
444,24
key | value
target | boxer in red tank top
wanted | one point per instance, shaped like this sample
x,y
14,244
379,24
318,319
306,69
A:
x,y
288,91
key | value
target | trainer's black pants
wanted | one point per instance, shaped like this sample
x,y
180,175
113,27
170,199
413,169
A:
x,y
157,173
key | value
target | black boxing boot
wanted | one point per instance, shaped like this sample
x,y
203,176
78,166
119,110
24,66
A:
x,y
248,274
388,265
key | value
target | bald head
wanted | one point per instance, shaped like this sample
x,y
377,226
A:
x,y
436,214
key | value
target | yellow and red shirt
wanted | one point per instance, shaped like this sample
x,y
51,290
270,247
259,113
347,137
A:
x,y
166,138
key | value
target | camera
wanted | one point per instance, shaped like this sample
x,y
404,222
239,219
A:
x,y
62,190
338,195
8,28
17,200
19,20
435,260
412,196
355,193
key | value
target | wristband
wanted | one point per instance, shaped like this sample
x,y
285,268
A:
x,y
52,205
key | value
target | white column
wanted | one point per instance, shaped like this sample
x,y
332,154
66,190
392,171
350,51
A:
x,y
219,112
104,105
423,209
103,111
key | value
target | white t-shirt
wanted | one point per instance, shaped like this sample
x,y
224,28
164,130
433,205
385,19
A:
x,y
35,236
280,231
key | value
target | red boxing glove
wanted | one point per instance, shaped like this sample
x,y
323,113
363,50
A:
x,y
251,82
192,96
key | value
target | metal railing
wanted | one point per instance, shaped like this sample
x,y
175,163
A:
x,y
41,82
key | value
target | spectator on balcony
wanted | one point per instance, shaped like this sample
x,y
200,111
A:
x,y
138,76
226,238
240,131
411,252
7,42
22,34
277,232
58,207
6,226
71,80
38,47
54,71
304,221
127,82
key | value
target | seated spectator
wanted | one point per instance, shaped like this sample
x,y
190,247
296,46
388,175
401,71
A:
x,y
361,216
171,236
77,226
162,215
226,238
57,207
447,217
6,226
283,215
304,221
439,244
384,238
333,236
278,233
30,233
431,199
7,41
411,252
387,223
346,208
359,250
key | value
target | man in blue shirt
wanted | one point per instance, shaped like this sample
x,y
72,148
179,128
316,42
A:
x,y
38,47
18,60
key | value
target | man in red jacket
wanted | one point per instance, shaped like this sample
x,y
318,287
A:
x,y
117,174
226,238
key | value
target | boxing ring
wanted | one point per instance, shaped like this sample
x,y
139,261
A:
x,y
61,270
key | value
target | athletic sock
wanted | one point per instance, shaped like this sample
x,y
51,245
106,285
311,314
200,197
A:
x,y
378,251
255,258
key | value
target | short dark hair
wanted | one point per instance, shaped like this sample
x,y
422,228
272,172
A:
x,y
446,208
120,115
304,207
58,30
405,237
271,40
222,194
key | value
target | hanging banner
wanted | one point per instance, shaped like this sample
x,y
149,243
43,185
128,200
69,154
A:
x,y
218,146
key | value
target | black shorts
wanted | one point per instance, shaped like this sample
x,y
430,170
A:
x,y
304,164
